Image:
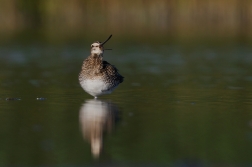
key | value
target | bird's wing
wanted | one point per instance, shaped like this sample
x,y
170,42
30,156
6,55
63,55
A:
x,y
112,71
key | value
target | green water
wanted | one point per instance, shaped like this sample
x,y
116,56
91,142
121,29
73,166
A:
x,y
180,105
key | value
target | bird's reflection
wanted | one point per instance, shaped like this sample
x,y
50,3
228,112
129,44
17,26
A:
x,y
97,117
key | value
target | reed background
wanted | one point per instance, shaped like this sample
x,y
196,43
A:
x,y
64,19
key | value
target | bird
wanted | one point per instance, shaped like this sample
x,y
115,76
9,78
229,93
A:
x,y
98,77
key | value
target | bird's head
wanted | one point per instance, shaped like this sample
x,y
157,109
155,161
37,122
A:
x,y
97,47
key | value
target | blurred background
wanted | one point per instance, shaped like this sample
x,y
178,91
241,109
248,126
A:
x,y
54,19
186,100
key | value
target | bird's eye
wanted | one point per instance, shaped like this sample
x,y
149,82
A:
x,y
92,46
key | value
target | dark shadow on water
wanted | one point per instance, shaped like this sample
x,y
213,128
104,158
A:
x,y
97,117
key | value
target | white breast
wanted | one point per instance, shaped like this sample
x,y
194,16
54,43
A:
x,y
96,87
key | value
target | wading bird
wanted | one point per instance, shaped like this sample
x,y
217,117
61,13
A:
x,y
97,76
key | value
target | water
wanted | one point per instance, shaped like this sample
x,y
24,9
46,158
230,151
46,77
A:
x,y
180,105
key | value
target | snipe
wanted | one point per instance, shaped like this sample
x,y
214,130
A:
x,y
97,76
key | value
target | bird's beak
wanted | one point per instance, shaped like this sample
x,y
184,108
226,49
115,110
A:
x,y
106,40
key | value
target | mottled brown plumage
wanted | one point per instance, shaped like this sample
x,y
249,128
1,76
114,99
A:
x,y
94,67
98,77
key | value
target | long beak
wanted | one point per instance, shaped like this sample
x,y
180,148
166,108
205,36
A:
x,y
106,40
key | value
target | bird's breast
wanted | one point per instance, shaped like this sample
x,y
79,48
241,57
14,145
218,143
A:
x,y
96,86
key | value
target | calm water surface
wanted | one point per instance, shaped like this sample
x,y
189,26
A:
x,y
178,106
